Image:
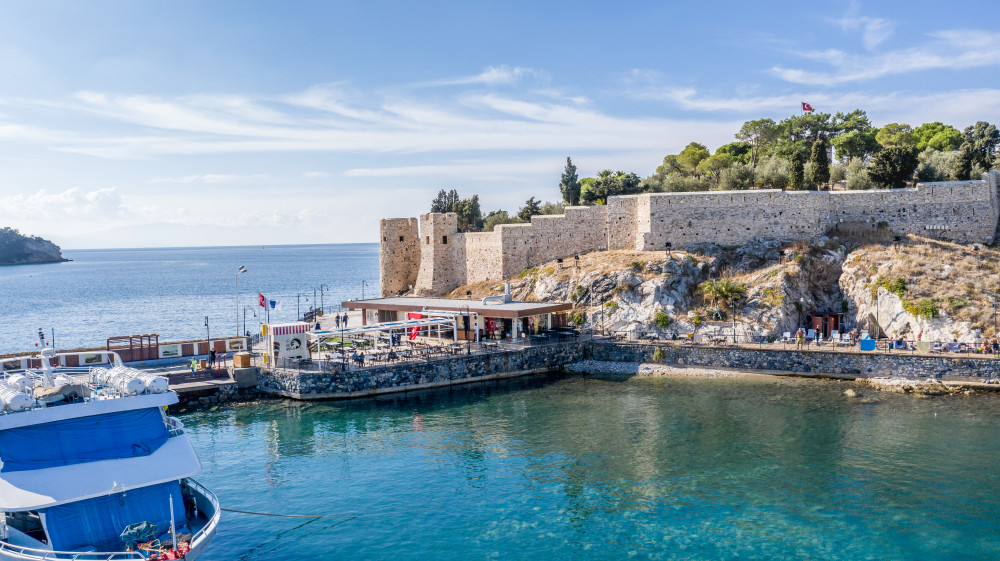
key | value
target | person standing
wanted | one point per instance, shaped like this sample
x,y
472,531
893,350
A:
x,y
194,364
211,358
344,319
800,337
336,320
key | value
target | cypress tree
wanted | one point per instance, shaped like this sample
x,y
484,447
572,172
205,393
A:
x,y
796,177
569,185
820,172
963,163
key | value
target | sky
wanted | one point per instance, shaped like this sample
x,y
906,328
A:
x,y
177,123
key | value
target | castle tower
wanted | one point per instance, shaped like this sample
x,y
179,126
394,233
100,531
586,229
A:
x,y
442,255
398,256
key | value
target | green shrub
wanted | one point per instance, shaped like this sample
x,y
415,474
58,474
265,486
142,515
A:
x,y
661,319
578,318
957,303
526,272
658,354
611,306
697,319
927,308
895,285
638,266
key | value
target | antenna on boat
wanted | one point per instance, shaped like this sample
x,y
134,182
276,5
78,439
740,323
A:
x,y
45,358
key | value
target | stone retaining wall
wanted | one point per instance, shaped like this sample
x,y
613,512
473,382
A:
x,y
421,375
815,362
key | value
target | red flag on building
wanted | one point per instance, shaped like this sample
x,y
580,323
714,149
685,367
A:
x,y
806,106
414,331
261,300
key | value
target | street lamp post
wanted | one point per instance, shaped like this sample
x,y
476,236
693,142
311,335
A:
x,y
321,301
208,335
239,272
363,285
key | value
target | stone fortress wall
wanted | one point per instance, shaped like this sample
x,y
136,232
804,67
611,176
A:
x,y
430,254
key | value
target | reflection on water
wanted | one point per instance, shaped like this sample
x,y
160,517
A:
x,y
570,468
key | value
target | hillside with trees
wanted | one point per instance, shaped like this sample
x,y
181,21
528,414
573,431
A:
x,y
811,151
18,249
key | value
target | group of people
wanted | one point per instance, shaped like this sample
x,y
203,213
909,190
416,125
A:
x,y
338,319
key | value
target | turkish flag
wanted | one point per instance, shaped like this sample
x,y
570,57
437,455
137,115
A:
x,y
806,106
414,331
261,300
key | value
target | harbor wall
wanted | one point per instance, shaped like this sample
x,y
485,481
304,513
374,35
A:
x,y
833,363
420,375
463,369
443,258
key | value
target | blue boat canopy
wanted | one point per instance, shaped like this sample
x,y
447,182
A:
x,y
123,434
99,522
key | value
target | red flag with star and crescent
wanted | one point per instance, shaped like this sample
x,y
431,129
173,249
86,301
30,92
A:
x,y
261,300
806,106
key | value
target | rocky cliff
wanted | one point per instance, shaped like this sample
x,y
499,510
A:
x,y
922,285
18,249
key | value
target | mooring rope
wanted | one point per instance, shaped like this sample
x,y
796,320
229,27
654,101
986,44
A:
x,y
349,517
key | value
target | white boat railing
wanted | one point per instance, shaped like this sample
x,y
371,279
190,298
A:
x,y
174,426
213,520
35,554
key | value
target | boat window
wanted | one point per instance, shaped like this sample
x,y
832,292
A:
x,y
29,522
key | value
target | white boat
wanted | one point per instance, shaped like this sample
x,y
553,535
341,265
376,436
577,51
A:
x,y
91,467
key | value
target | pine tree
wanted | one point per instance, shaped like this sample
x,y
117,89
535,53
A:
x,y
796,175
569,185
820,171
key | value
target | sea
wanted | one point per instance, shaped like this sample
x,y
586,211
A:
x,y
549,467
571,468
174,292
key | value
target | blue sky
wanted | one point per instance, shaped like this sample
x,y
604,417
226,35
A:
x,y
134,124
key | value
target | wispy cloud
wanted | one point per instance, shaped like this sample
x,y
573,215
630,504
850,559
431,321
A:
x,y
873,30
73,202
490,76
212,178
952,49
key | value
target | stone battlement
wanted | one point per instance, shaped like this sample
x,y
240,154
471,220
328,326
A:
x,y
430,254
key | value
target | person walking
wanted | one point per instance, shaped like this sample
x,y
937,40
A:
x,y
336,320
194,364
344,319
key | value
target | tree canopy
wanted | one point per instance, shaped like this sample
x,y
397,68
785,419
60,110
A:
x,y
893,167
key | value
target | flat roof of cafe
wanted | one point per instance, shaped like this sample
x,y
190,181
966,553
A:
x,y
490,309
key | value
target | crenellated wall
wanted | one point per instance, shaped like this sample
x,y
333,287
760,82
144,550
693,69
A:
x,y
963,211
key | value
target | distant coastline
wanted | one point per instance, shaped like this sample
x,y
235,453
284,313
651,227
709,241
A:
x,y
19,249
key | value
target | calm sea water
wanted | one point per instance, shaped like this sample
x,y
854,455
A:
x,y
111,292
573,468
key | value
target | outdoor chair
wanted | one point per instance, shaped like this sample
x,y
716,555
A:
x,y
923,346
866,344
786,337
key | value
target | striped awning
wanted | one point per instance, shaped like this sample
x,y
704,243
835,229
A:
x,y
288,328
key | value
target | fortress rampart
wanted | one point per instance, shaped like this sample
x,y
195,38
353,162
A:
x,y
433,257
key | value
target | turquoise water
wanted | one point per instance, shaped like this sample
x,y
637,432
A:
x,y
169,291
575,468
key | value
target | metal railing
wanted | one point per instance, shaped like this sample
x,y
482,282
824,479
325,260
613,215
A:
x,y
417,353
174,427
213,520
33,554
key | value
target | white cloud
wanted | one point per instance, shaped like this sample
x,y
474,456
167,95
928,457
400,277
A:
x,y
315,174
212,178
952,49
874,30
491,76
71,203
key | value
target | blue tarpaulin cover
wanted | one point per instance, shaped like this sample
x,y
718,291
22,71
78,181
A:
x,y
99,521
115,435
